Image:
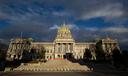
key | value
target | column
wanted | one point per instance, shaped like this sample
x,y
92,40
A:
x,y
59,48
62,48
56,48
104,46
73,48
68,47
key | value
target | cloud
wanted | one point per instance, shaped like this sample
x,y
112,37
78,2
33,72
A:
x,y
54,27
4,41
71,26
41,18
124,40
116,29
63,9
108,11
92,28
60,13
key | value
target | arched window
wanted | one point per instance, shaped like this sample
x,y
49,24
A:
x,y
58,56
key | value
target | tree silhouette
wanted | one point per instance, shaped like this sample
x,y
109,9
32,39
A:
x,y
33,54
26,56
125,58
100,54
42,53
117,58
87,54
2,60
0,54
37,54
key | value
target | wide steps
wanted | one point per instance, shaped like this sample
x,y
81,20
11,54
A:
x,y
53,66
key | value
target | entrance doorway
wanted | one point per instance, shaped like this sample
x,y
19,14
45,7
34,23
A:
x,y
68,56
59,56
64,56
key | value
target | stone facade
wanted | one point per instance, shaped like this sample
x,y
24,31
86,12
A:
x,y
16,48
64,46
108,44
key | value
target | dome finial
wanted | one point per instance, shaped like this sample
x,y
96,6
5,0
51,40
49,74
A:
x,y
64,23
107,37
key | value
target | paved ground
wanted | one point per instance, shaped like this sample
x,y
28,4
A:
x,y
99,70
64,74
52,74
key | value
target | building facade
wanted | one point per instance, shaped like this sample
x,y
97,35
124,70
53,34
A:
x,y
107,46
16,49
64,46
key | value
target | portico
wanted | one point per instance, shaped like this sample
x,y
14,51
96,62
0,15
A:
x,y
63,42
62,48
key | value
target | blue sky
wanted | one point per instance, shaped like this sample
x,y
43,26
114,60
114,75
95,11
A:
x,y
39,19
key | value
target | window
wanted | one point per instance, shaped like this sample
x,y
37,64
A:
x,y
47,56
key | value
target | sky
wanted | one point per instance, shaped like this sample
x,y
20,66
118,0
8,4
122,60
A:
x,y
88,19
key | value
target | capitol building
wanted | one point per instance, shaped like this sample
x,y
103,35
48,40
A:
x,y
64,46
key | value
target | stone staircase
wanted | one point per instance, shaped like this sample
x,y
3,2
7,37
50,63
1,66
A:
x,y
53,66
